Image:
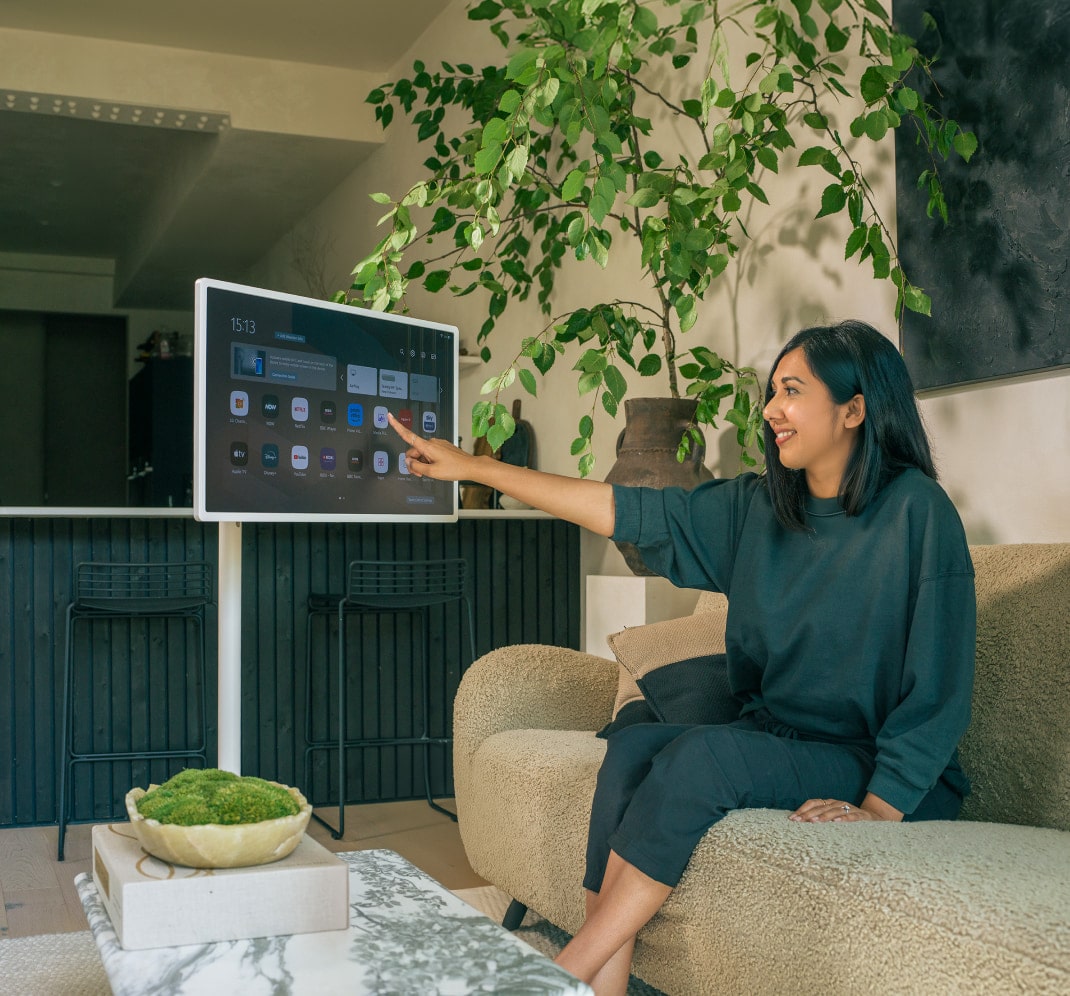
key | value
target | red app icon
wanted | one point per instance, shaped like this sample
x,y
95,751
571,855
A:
x,y
405,417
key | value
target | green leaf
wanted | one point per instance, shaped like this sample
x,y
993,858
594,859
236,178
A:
x,y
382,198
649,365
502,429
573,184
965,143
644,197
908,98
855,241
495,132
577,229
527,378
768,158
486,11
876,126
645,21
718,263
599,251
436,280
833,199
917,300
616,385
685,308
756,192
517,161
835,39
602,197
873,85
486,160
589,381
698,238
818,155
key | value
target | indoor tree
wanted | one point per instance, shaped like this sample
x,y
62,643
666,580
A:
x,y
568,149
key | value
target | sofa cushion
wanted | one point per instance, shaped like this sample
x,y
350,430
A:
x,y
672,672
1016,750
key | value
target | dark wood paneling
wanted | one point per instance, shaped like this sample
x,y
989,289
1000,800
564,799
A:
x,y
525,579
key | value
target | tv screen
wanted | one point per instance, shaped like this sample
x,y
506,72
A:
x,y
290,402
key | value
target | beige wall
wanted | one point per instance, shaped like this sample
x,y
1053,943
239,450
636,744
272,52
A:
x,y
1002,448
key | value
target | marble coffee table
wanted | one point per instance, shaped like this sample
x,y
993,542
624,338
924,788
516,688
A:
x,y
407,936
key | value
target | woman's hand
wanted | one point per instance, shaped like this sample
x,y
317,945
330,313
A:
x,y
587,503
435,458
838,811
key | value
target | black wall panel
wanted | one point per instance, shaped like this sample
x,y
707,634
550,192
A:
x,y
525,581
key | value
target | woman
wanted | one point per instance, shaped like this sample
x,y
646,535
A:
x,y
850,633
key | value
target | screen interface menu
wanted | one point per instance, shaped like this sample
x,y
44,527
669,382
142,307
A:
x,y
296,400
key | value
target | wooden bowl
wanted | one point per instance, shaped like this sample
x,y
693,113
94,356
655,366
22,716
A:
x,y
213,845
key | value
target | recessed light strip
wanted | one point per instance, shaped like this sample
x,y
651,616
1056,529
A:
x,y
113,111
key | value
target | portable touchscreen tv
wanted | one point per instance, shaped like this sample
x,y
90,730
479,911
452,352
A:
x,y
291,399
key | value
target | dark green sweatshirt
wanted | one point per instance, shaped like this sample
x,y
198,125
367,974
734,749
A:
x,y
861,630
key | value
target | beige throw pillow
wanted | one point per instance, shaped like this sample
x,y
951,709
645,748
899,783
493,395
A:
x,y
662,664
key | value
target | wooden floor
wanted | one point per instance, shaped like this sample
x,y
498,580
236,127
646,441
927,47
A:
x,y
37,893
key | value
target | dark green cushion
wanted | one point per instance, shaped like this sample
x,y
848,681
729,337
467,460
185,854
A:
x,y
688,692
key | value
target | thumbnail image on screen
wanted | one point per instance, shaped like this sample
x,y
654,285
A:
x,y
291,407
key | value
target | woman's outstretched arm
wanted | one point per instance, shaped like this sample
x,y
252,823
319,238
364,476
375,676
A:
x,y
586,503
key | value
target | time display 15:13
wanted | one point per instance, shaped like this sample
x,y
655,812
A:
x,y
246,326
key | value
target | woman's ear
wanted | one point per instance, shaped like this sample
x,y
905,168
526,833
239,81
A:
x,y
855,412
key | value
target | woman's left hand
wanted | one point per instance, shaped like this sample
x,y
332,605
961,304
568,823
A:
x,y
838,811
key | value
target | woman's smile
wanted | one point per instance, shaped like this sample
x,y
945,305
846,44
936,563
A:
x,y
813,433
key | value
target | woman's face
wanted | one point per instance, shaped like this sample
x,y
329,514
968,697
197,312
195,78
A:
x,y
813,433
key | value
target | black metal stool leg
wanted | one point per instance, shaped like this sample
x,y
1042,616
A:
x,y
425,677
64,774
514,915
342,686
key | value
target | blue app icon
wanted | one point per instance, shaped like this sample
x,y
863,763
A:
x,y
355,414
327,459
430,422
269,455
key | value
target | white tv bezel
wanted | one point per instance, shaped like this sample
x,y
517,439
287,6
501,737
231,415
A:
x,y
200,375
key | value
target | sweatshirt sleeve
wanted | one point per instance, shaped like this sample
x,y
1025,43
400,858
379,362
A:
x,y
919,736
688,537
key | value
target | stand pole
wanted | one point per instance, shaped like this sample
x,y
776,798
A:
x,y
229,720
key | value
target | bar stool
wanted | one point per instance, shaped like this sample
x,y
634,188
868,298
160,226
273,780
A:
x,y
380,587
114,591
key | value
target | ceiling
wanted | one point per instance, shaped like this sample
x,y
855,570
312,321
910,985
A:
x,y
79,186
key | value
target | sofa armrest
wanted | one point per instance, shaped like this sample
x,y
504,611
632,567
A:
x,y
532,687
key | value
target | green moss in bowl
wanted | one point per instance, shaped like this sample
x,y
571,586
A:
x,y
206,818
207,795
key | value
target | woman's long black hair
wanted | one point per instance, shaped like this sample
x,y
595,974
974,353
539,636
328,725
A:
x,y
853,358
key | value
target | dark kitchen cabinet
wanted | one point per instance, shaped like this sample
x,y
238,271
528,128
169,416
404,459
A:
x,y
161,434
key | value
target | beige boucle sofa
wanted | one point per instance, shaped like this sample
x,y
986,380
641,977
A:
x,y
980,905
